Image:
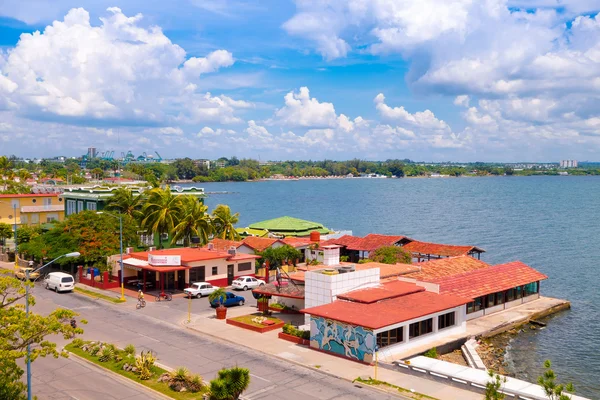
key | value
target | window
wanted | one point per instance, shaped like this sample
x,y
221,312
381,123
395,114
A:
x,y
519,291
60,199
510,295
35,218
245,266
446,320
79,206
34,201
48,202
390,337
530,288
420,328
145,238
475,305
215,270
499,298
91,206
66,279
51,217
23,219
490,300
71,207
197,274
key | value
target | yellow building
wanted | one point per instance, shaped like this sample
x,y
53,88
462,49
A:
x,y
31,209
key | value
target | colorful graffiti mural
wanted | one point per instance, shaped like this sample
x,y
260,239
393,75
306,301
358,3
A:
x,y
350,341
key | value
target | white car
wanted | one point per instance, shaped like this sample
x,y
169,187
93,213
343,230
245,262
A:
x,y
246,282
200,289
59,282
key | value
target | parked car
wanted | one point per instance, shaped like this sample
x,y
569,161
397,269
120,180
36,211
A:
x,y
200,289
59,282
231,299
21,273
246,282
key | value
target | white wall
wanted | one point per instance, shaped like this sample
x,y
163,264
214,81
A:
x,y
388,352
322,289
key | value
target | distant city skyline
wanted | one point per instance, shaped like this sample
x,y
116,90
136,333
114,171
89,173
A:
x,y
494,81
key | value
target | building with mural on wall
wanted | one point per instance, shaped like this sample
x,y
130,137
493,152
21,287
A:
x,y
31,209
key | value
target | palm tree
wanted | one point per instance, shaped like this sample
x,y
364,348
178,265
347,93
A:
x,y
223,223
161,212
230,384
24,175
123,201
193,221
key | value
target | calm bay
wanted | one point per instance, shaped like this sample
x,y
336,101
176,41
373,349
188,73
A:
x,y
550,223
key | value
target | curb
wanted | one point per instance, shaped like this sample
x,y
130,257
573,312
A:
x,y
120,377
330,374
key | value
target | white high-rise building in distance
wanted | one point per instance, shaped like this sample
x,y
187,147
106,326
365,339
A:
x,y
568,163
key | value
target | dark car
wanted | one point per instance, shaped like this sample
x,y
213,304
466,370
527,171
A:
x,y
231,299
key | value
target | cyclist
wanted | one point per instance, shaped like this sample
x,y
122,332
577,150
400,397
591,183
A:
x,y
140,295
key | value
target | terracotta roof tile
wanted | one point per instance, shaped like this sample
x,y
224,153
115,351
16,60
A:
x,y
387,312
373,242
384,291
443,267
259,243
296,241
224,245
443,250
490,280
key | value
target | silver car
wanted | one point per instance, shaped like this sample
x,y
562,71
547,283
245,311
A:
x,y
200,289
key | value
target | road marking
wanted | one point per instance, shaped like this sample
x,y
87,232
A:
x,y
148,337
263,379
248,396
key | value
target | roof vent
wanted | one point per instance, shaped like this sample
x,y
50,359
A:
x,y
232,250
211,246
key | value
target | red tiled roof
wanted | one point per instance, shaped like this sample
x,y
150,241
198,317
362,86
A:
x,y
259,243
386,291
4,196
444,250
345,240
374,241
224,245
188,254
443,267
490,280
387,312
296,241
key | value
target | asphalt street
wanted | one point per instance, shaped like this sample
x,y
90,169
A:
x,y
157,328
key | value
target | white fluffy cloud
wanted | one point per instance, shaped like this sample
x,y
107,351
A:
x,y
116,71
301,110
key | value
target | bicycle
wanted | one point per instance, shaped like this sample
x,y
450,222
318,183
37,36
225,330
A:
x,y
140,304
167,296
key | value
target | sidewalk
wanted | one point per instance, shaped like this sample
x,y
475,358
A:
x,y
337,366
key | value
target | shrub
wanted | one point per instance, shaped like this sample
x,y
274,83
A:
x,y
230,384
431,353
344,258
77,343
144,363
95,350
129,349
278,306
178,378
106,354
292,330
195,383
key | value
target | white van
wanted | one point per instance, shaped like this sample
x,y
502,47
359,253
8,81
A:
x,y
59,282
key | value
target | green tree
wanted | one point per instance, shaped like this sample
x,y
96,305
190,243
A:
x,y
279,255
26,233
6,232
230,384
494,386
193,222
125,202
161,212
554,390
391,255
224,223
17,331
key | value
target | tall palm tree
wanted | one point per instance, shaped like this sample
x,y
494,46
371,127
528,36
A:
x,y
161,212
193,221
224,221
125,202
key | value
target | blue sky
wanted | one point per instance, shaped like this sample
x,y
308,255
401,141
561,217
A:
x,y
435,81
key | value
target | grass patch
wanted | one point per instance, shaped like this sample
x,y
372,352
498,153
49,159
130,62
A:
x,y
248,319
151,383
406,392
98,295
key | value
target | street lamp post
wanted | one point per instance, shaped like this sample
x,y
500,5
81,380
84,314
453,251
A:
x,y
74,254
121,245
16,244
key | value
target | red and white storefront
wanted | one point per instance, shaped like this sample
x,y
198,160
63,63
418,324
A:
x,y
178,268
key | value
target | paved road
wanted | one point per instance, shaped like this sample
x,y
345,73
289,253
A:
x,y
152,328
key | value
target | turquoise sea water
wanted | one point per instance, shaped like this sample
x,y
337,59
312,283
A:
x,y
550,223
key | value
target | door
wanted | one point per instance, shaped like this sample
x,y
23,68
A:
x,y
181,280
229,274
